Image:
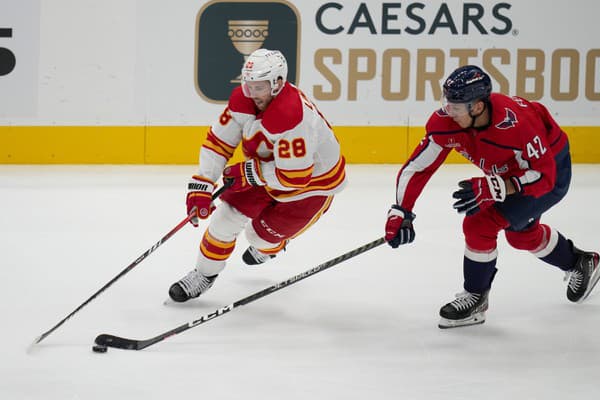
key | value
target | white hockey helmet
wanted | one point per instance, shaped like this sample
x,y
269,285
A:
x,y
264,65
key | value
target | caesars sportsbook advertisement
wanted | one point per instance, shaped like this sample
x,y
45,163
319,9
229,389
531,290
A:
x,y
374,68
380,63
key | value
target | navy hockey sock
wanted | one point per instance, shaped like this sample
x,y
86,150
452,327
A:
x,y
562,256
478,275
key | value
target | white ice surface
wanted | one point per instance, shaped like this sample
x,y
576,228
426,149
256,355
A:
x,y
364,329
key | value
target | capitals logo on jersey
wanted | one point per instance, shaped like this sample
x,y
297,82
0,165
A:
x,y
509,121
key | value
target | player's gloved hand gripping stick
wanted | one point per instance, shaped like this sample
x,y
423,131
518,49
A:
x,y
138,260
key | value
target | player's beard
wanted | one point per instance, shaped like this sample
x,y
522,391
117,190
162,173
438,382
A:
x,y
260,104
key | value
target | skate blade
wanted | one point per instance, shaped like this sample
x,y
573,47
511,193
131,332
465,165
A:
x,y
593,281
168,302
475,319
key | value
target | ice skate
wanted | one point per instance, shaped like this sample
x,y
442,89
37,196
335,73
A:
x,y
192,285
253,256
583,277
467,309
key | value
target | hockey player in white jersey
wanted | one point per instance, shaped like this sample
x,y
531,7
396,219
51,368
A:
x,y
292,169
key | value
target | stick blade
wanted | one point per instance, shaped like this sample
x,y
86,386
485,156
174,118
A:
x,y
117,342
32,347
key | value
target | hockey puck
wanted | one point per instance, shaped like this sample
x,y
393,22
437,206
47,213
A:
x,y
98,348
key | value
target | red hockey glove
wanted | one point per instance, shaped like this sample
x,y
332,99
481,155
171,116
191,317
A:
x,y
244,175
199,198
479,193
399,228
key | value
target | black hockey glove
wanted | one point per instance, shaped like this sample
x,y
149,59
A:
x,y
479,193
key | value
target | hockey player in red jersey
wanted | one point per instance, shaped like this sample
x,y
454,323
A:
x,y
292,169
525,158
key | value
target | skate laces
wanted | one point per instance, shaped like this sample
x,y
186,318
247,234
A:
x,y
465,300
195,283
575,278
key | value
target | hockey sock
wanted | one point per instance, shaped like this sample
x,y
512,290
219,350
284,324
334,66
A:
x,y
562,256
478,275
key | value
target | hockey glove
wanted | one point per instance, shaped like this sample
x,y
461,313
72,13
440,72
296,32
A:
x,y
199,198
476,194
244,175
399,228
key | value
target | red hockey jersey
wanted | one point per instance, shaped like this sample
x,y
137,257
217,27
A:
x,y
519,143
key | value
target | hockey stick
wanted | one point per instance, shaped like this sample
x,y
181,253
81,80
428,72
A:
x,y
126,270
133,344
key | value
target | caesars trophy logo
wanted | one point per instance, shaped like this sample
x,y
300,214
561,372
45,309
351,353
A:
x,y
246,37
227,32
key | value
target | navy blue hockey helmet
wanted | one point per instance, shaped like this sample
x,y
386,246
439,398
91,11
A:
x,y
466,84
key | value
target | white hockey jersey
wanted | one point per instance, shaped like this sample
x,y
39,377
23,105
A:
x,y
298,153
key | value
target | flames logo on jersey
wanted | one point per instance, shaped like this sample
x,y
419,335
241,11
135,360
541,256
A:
x,y
509,121
257,146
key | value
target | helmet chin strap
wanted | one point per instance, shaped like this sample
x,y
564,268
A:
x,y
474,117
280,85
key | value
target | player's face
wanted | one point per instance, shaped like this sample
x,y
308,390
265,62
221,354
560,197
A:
x,y
459,112
259,92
